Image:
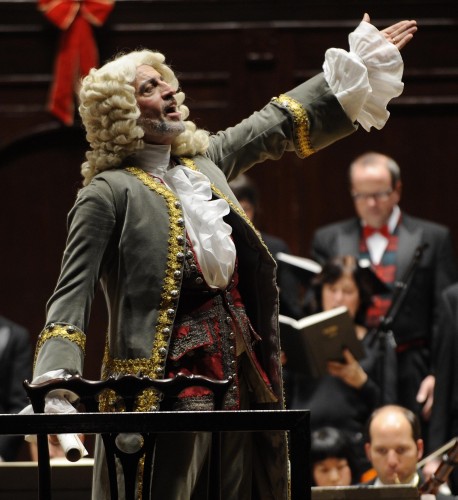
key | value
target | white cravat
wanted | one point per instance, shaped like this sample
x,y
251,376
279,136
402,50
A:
x,y
207,230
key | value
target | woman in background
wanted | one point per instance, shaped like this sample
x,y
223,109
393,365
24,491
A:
x,y
332,459
345,397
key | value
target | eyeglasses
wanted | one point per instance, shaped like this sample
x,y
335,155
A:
x,y
377,196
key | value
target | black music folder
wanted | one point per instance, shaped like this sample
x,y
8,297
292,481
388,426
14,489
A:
x,y
305,269
309,343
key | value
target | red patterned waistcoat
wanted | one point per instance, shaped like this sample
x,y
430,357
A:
x,y
211,327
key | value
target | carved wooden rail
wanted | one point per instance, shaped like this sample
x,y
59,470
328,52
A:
x,y
110,424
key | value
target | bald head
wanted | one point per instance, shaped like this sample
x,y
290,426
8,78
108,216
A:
x,y
394,445
372,158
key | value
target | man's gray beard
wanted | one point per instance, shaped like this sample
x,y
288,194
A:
x,y
161,128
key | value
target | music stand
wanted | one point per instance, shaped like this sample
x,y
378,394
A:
x,y
366,492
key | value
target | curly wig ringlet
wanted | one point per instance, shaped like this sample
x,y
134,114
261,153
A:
x,y
109,112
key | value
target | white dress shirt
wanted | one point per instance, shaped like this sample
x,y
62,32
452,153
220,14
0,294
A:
x,y
377,242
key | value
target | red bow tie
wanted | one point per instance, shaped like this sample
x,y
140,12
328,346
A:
x,y
369,231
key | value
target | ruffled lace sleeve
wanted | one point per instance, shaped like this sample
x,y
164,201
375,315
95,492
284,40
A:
x,y
365,79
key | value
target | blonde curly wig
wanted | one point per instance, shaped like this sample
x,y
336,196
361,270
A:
x,y
109,112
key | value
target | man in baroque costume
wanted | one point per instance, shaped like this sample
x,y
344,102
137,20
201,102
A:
x,y
190,286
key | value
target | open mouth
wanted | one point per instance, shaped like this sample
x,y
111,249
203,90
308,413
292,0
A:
x,y
172,111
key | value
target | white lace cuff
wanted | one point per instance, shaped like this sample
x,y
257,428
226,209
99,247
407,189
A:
x,y
365,79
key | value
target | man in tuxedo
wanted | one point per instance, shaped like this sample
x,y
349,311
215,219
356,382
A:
x,y
391,239
15,363
394,446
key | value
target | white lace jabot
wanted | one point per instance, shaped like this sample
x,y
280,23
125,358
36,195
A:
x,y
209,234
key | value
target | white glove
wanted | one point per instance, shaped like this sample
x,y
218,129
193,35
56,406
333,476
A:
x,y
59,401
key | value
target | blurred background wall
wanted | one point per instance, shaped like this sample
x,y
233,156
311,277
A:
x,y
231,56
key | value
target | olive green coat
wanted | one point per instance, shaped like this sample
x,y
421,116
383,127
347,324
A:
x,y
126,231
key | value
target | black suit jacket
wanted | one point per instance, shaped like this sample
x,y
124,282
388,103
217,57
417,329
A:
x,y
287,281
15,367
444,418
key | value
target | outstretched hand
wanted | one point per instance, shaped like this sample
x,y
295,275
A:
x,y
398,34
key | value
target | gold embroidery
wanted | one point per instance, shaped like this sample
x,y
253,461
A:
x,y
68,332
140,472
154,367
147,400
301,124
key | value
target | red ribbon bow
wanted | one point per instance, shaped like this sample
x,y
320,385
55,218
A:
x,y
369,231
77,52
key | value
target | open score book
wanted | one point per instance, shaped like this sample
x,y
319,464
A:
x,y
309,343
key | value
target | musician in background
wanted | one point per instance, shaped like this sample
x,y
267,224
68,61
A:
x,y
15,367
332,458
389,237
394,446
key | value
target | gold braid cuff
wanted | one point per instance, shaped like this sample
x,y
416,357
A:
x,y
301,124
68,332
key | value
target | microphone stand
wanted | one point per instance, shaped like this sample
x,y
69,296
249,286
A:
x,y
384,330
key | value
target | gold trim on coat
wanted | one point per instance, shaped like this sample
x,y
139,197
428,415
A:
x,y
301,124
155,365
64,331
